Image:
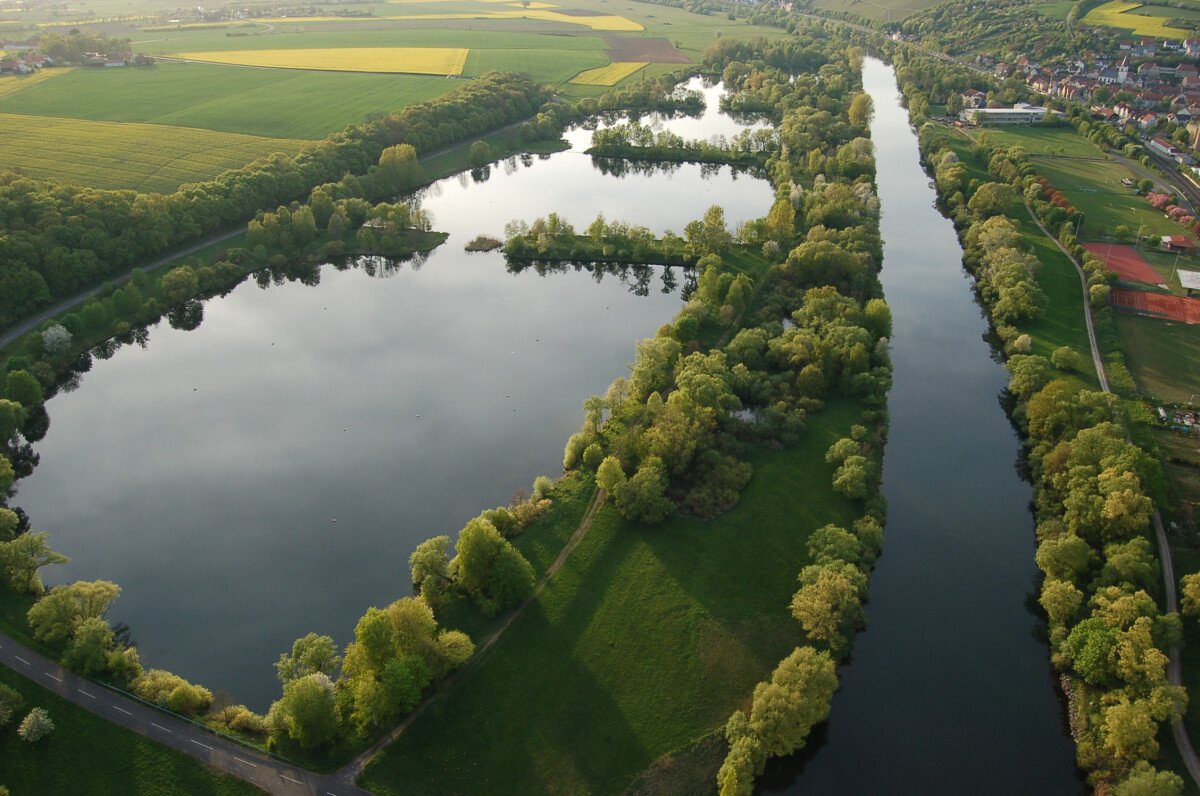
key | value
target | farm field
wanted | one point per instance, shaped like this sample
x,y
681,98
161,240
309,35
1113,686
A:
x,y
135,156
645,641
878,10
552,66
412,60
1163,355
609,75
74,760
11,84
1127,16
261,102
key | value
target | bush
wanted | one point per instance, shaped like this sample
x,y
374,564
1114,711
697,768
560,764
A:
x,y
36,726
543,485
10,703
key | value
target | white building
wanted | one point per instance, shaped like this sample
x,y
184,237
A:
x,y
1021,113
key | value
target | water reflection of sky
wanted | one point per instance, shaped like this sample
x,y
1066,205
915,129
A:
x,y
204,473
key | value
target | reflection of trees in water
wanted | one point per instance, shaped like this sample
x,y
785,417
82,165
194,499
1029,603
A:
x,y
620,167
637,278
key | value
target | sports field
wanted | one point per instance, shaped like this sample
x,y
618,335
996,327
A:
x,y
411,60
1128,16
1163,355
141,157
1158,305
609,75
1126,262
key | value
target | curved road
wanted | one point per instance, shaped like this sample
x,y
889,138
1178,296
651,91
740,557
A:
x,y
268,773
1175,665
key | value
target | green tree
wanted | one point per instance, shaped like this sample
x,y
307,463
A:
x,y
1190,591
1145,780
35,726
7,475
829,607
860,110
307,712
480,154
310,654
179,284
1067,558
22,557
87,652
22,387
831,543
491,568
609,475
1091,649
430,567
1029,373
12,418
1060,600
992,199
1129,731
10,703
55,616
642,498
852,477
795,700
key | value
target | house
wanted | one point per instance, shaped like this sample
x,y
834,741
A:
x,y
1163,147
1192,46
1147,121
1125,44
1104,113
1184,71
973,98
1174,243
1148,71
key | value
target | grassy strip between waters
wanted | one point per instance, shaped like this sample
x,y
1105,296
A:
x,y
89,754
644,641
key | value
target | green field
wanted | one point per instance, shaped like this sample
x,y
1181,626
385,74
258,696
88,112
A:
x,y
265,102
1043,141
141,157
552,66
645,641
877,10
1056,9
88,754
1164,356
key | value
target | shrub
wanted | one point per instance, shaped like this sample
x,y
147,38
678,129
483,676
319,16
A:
x,y
36,726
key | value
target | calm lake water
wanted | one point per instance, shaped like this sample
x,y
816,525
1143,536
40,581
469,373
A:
x,y
204,473
950,690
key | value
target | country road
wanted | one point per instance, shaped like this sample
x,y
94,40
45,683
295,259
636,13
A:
x,y
270,774
1175,664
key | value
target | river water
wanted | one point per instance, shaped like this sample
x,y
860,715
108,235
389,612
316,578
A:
x,y
268,473
949,690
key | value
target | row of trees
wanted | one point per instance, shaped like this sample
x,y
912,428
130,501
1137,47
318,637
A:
x,y
1092,501
60,239
636,140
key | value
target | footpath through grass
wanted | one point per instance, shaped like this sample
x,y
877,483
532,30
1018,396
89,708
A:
x,y
645,640
89,755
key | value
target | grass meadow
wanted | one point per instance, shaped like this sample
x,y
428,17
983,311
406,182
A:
x,y
1163,355
646,640
88,754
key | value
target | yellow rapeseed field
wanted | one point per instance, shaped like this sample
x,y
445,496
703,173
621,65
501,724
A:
x,y
609,75
414,60
1116,15
143,157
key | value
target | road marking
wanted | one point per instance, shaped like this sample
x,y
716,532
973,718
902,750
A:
x,y
289,779
85,693
206,746
247,762
59,679
22,660
164,729
123,710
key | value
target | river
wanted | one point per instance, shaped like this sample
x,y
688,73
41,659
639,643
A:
x,y
949,690
269,473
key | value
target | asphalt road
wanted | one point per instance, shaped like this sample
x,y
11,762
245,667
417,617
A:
x,y
270,774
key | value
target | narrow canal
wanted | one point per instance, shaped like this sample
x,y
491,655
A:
x,y
950,689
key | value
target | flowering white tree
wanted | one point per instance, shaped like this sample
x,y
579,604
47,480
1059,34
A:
x,y
56,339
36,726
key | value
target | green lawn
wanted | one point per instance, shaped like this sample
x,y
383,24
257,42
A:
x,y
1063,322
1163,355
281,103
1056,9
646,640
89,755
1044,140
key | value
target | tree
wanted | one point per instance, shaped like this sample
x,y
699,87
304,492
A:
x,y
831,543
36,726
403,681
609,475
828,606
310,654
307,711
1091,648
795,699
860,110
491,568
852,477
21,558
54,617
1129,731
1145,780
430,567
10,703
642,498
12,418
992,199
1029,373
22,387
1191,594
87,652
1066,558
7,476
1060,600
1066,359
179,284
480,154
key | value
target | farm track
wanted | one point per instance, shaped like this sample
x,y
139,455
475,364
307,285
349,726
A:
x,y
1175,664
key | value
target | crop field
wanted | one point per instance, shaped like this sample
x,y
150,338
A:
x,y
10,84
412,60
1125,16
878,10
142,157
609,75
260,102
552,66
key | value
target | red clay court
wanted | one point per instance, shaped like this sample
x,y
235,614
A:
x,y
1125,260
1175,308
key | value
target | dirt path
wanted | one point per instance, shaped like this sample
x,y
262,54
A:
x,y
1174,665
351,771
